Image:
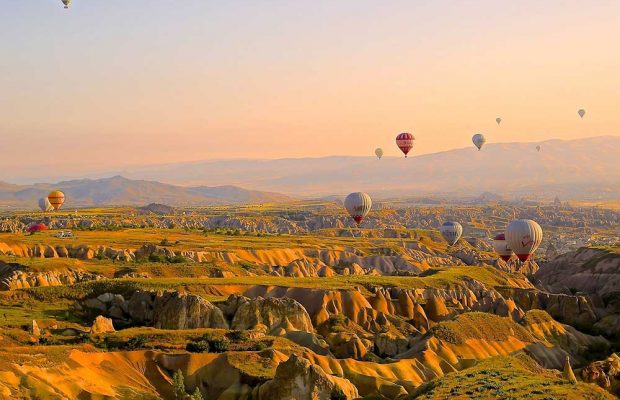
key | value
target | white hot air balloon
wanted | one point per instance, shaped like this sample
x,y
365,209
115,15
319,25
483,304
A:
x,y
67,3
524,236
501,247
581,112
45,205
479,140
498,120
358,205
451,231
379,152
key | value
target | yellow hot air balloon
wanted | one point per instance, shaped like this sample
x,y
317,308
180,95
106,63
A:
x,y
379,152
67,3
56,199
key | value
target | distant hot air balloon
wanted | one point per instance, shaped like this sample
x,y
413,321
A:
x,y
524,236
45,205
501,247
37,228
56,199
451,231
404,141
538,148
358,205
479,140
498,120
581,112
67,3
379,152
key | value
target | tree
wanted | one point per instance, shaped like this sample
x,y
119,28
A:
x,y
178,386
197,395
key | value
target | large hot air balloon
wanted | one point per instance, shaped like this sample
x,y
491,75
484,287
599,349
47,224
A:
x,y
67,3
56,199
581,112
501,247
524,237
404,141
45,205
498,120
451,231
358,205
538,148
37,228
379,152
479,140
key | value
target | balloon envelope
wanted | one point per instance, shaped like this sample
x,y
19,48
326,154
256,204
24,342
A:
x,y
45,205
379,152
581,112
479,140
56,199
538,148
67,3
501,247
358,205
524,236
498,120
404,141
37,228
451,231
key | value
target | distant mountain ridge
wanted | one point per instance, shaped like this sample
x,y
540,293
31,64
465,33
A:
x,y
122,191
578,168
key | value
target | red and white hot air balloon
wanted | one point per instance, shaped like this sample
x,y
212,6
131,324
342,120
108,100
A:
x,y
501,247
404,141
358,205
524,236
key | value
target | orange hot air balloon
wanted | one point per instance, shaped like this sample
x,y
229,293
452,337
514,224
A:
x,y
56,199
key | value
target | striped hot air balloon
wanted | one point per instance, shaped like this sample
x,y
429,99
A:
x,y
501,247
56,199
451,231
524,236
404,141
358,205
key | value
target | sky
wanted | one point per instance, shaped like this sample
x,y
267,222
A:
x,y
109,84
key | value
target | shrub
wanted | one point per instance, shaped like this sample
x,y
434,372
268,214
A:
x,y
238,336
198,347
178,259
135,343
164,242
337,394
159,258
219,345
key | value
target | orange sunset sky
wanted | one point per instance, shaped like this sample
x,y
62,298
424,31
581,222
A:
x,y
114,83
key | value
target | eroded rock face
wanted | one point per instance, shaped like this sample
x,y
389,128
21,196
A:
x,y
605,374
14,276
278,315
186,311
298,379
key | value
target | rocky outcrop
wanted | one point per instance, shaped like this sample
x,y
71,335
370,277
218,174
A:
x,y
102,325
15,276
276,315
186,311
605,374
298,379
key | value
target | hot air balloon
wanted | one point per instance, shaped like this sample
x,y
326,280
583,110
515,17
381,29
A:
x,y
404,141
358,205
524,237
581,112
44,204
479,140
501,247
67,3
37,228
56,199
538,148
451,231
498,120
379,152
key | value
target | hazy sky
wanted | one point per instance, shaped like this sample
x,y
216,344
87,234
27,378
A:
x,y
114,83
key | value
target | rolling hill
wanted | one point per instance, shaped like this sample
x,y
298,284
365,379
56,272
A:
x,y
122,191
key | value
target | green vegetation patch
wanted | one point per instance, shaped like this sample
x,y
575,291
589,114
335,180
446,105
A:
x,y
481,326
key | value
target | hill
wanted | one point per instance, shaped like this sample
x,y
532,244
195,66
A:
x,y
583,168
122,191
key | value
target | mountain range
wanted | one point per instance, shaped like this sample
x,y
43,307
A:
x,y
122,191
582,168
